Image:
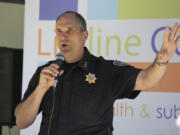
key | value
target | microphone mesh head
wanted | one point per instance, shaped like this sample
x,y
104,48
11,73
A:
x,y
60,56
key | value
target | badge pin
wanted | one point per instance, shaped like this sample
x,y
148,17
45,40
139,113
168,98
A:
x,y
90,78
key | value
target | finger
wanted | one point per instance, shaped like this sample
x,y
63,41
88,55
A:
x,y
166,33
53,69
61,72
177,40
47,76
177,32
173,32
48,70
55,66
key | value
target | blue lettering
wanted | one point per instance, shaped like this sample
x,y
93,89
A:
x,y
177,52
175,110
154,38
167,117
163,112
160,114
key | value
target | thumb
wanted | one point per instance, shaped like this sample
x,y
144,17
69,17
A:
x,y
61,72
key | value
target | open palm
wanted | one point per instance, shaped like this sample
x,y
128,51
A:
x,y
170,43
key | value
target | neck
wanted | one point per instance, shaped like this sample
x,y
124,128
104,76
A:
x,y
72,59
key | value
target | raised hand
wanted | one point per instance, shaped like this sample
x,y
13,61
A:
x,y
170,43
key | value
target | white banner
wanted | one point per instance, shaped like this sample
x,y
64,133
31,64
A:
x,y
131,39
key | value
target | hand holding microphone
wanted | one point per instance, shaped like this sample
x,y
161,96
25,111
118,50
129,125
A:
x,y
50,74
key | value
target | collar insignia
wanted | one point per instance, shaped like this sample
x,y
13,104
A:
x,y
90,78
85,64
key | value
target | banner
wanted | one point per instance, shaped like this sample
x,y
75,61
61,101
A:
x,y
125,30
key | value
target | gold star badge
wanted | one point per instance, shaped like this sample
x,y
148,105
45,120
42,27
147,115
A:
x,y
90,78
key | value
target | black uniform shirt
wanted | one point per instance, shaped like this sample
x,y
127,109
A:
x,y
82,107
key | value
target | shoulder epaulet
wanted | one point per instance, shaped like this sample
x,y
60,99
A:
x,y
101,58
120,63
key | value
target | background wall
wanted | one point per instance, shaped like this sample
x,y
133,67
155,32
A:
x,y
11,35
11,25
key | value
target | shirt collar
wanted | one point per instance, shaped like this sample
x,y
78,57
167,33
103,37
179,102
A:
x,y
83,63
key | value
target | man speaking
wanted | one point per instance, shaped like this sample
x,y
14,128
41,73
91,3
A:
x,y
87,86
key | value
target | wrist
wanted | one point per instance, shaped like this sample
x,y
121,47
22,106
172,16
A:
x,y
41,89
159,63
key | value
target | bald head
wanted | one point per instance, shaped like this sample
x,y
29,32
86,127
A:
x,y
79,18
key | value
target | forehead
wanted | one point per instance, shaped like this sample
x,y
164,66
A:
x,y
67,20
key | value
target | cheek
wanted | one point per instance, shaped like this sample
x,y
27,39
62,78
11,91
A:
x,y
76,40
57,43
57,39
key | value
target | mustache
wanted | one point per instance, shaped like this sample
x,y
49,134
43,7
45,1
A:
x,y
64,41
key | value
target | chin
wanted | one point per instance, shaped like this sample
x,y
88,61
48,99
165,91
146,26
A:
x,y
65,51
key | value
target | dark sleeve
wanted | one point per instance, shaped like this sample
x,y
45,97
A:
x,y
124,79
32,85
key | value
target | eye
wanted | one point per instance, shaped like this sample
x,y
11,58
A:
x,y
58,31
70,31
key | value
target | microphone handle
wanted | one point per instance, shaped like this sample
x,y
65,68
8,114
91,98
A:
x,y
59,63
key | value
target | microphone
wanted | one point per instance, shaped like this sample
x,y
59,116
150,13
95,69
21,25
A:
x,y
59,59
59,62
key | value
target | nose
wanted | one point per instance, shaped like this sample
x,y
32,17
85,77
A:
x,y
63,35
